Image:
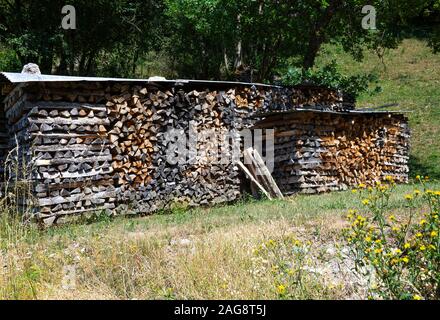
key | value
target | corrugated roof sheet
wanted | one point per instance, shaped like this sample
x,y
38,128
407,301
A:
x,y
296,110
13,77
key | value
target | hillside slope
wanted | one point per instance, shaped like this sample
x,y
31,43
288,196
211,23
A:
x,y
410,76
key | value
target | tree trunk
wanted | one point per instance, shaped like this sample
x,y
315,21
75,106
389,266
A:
x,y
238,49
312,51
134,62
317,33
81,64
47,61
91,64
62,67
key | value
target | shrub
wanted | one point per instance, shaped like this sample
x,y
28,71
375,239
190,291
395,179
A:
x,y
401,251
9,60
329,76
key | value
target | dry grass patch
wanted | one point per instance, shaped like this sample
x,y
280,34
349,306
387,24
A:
x,y
242,251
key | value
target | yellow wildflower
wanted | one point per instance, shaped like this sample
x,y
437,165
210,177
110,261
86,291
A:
x,y
389,178
365,202
378,251
407,245
392,217
271,243
408,197
417,192
281,289
422,222
363,186
354,191
417,297
368,239
405,259
422,248
434,234
419,235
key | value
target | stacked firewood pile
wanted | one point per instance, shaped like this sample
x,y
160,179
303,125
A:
x,y
97,145
63,146
16,149
318,152
250,101
4,142
314,97
143,122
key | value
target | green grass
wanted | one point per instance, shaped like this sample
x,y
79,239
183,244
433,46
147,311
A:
x,y
298,208
410,76
143,258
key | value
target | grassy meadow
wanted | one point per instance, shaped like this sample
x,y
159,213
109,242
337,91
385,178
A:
x,y
211,253
233,251
409,76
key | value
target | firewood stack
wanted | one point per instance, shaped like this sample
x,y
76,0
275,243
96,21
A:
x,y
141,119
64,140
17,151
313,97
251,101
4,142
319,152
97,145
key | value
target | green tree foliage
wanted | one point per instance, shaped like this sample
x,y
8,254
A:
x,y
208,39
330,76
431,13
8,59
113,32
214,37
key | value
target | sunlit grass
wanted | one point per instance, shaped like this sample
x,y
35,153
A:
x,y
410,76
201,253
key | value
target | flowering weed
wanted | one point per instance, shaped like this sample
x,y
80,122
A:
x,y
401,251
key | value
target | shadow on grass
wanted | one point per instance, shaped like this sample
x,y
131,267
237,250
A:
x,y
429,168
